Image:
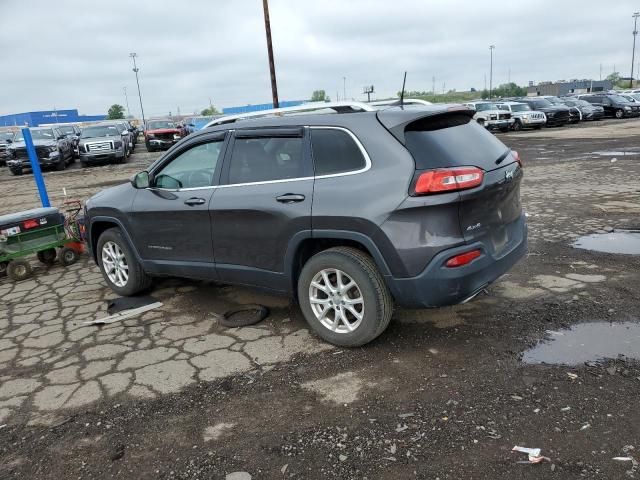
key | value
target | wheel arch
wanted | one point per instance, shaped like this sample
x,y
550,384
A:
x,y
101,224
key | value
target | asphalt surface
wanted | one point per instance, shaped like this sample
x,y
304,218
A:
x,y
441,394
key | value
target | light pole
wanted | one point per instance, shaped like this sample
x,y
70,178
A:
x,y
491,47
126,99
272,67
344,88
136,70
633,54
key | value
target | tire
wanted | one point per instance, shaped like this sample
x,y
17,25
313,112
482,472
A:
x,y
16,171
377,302
19,270
481,122
68,256
48,257
619,113
61,165
83,164
149,149
517,126
504,129
137,280
3,269
538,127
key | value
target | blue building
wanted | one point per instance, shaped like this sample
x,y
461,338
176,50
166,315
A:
x,y
260,106
33,119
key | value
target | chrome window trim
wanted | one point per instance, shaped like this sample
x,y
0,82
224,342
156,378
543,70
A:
x,y
357,141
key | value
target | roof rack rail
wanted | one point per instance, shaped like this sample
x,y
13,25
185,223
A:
x,y
393,101
338,107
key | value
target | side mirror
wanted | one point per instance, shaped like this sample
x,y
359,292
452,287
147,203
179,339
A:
x,y
140,180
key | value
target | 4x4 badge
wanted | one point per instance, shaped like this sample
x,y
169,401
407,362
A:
x,y
508,175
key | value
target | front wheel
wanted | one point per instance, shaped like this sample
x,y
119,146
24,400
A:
x,y
119,265
517,126
62,164
619,113
343,297
16,171
19,269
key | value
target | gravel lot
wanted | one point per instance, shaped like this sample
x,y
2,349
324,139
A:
x,y
441,394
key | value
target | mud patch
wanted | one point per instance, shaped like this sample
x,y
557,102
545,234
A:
x,y
625,242
587,342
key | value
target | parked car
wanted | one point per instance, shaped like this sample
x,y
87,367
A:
x,y
575,115
588,111
161,134
102,143
490,116
193,124
631,97
557,115
523,116
73,134
133,131
6,136
614,106
352,212
53,149
125,133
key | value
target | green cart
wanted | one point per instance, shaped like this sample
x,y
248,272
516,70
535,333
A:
x,y
44,232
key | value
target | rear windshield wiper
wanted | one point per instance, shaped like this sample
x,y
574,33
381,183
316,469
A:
x,y
502,157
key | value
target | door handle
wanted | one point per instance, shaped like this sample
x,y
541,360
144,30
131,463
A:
x,y
195,201
290,198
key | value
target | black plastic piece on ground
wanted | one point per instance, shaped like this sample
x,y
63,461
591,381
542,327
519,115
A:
x,y
244,315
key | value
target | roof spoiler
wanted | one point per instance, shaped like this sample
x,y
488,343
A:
x,y
396,120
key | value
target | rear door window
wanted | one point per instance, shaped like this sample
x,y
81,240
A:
x,y
452,140
335,151
266,158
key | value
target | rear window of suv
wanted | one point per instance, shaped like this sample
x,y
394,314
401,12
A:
x,y
334,151
452,140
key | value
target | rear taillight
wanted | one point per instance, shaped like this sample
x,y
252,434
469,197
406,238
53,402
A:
x,y
28,224
516,155
463,259
447,180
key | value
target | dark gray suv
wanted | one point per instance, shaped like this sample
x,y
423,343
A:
x,y
348,212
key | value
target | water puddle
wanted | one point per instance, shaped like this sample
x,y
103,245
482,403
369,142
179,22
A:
x,y
587,342
619,241
614,154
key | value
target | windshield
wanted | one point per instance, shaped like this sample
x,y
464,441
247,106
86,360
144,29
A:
x,y
521,107
6,135
480,107
582,103
158,124
46,134
106,131
541,103
554,100
67,129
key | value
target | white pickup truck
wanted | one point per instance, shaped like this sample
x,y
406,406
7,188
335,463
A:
x,y
490,116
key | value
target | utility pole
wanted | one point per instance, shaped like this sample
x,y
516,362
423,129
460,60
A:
x,y
509,76
433,85
491,48
126,99
344,88
633,54
136,70
272,67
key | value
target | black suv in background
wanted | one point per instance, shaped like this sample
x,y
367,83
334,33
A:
x,y
72,132
350,211
588,111
6,136
613,105
53,149
557,115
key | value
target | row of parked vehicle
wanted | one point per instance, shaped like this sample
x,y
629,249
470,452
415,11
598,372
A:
x,y
59,145
551,111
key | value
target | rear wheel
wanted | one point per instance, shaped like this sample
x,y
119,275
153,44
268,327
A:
x,y
119,265
48,256
343,297
517,125
19,269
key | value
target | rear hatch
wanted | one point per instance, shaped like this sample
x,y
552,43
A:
x,y
490,211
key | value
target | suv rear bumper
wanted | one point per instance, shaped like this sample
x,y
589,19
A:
x,y
438,286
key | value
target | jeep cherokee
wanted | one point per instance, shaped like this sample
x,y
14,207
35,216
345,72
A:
x,y
348,212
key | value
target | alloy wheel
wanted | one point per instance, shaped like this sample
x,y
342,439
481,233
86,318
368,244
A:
x,y
336,300
115,264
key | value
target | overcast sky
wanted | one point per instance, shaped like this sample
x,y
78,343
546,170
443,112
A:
x,y
75,54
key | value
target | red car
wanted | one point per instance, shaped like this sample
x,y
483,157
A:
x,y
161,134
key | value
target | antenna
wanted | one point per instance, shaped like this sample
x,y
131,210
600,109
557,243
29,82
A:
x,y
402,92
